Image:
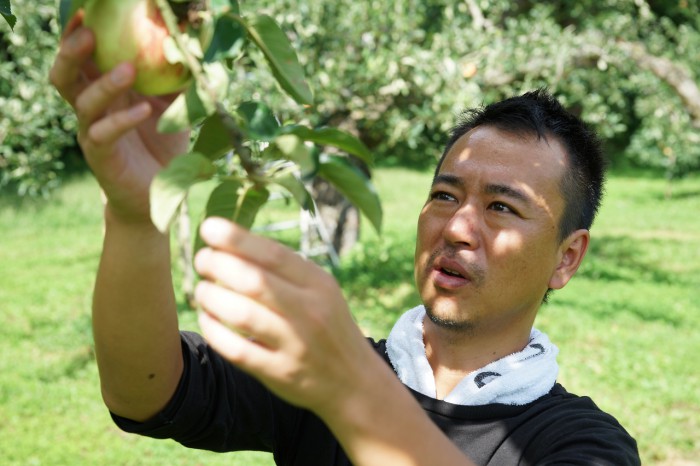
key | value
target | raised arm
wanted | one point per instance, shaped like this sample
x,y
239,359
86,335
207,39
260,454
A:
x,y
284,320
134,314
299,340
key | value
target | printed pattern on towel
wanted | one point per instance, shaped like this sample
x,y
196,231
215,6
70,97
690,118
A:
x,y
516,379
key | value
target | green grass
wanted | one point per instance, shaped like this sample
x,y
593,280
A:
x,y
626,327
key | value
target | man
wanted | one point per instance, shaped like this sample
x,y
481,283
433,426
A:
x,y
506,221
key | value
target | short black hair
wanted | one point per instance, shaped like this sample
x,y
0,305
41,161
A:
x,y
539,113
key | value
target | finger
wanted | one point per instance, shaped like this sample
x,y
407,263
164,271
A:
x,y
240,313
227,236
97,97
249,279
74,23
72,59
236,348
110,128
89,69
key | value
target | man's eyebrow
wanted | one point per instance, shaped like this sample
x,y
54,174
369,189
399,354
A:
x,y
451,180
508,191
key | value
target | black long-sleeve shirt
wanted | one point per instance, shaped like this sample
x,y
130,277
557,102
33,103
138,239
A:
x,y
220,408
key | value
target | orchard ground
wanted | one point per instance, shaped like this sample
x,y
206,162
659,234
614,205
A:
x,y
626,327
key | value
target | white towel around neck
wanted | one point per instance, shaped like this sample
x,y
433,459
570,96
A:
x,y
516,379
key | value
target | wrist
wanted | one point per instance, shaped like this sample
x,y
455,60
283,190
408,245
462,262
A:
x,y
380,422
354,409
365,419
135,234
118,219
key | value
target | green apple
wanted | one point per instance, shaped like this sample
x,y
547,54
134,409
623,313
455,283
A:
x,y
134,31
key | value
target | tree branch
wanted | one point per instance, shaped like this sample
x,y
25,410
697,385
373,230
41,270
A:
x,y
480,22
674,74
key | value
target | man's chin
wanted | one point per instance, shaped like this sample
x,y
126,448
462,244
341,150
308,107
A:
x,y
447,320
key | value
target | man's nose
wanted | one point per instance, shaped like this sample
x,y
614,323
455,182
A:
x,y
464,228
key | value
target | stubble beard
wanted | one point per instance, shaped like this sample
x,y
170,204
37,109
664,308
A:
x,y
462,327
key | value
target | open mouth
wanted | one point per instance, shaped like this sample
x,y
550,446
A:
x,y
450,272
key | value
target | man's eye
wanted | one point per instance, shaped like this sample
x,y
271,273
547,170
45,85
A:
x,y
501,207
441,196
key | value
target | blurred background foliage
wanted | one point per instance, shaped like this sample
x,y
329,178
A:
x,y
398,73
37,129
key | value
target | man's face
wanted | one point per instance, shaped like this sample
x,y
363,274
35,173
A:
x,y
488,241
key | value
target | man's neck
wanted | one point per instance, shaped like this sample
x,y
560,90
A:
x,y
453,354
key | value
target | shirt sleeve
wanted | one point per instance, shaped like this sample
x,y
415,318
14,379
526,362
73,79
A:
x,y
215,407
591,438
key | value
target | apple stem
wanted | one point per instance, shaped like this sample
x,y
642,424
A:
x,y
235,134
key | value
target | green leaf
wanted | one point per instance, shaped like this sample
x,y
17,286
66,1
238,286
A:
x,y
170,186
172,52
6,12
212,140
196,103
185,111
297,189
292,148
5,7
67,8
227,40
223,199
279,53
206,101
11,20
222,202
250,200
237,202
354,185
218,81
332,137
261,123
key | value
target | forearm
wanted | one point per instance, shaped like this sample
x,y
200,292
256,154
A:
x,y
135,327
384,424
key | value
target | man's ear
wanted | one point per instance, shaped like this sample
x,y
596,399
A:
x,y
571,252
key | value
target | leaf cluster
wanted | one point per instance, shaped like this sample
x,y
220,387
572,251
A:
x,y
399,72
241,144
396,74
239,140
